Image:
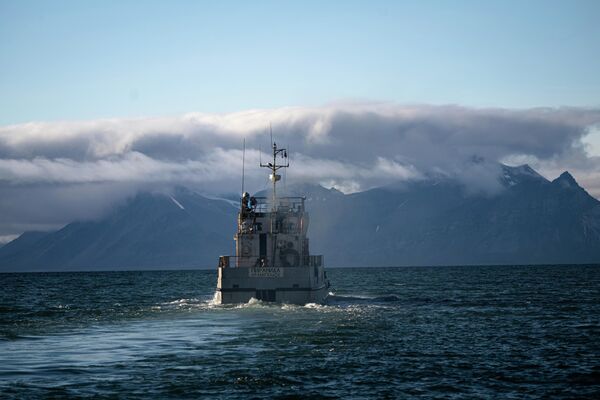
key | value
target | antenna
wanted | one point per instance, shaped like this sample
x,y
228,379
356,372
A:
x,y
243,164
285,155
274,177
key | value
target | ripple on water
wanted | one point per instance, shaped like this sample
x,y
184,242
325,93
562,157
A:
x,y
487,332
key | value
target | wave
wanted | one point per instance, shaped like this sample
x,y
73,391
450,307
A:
x,y
204,302
361,299
333,301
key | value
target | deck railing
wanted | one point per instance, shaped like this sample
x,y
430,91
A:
x,y
254,261
283,204
241,261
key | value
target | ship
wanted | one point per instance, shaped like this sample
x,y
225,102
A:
x,y
272,261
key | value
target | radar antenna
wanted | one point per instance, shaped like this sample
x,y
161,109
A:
x,y
274,177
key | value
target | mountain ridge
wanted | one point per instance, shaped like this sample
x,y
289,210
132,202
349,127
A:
x,y
422,222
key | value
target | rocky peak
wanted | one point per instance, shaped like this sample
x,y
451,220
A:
x,y
514,175
566,181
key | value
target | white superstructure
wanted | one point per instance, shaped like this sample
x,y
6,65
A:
x,y
272,260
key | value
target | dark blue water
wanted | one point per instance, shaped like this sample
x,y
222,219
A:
x,y
447,332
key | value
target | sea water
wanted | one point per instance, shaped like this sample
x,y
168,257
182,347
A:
x,y
435,332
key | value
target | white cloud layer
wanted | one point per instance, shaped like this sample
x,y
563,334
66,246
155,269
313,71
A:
x,y
353,147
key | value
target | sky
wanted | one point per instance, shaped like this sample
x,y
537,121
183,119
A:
x,y
99,99
65,60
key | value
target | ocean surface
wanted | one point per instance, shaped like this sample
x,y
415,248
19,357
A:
x,y
439,332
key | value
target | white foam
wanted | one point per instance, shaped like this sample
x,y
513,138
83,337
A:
x,y
215,300
315,306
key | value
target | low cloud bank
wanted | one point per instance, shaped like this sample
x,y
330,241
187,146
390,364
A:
x,y
54,172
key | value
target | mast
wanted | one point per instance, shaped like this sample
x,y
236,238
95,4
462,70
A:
x,y
274,177
243,165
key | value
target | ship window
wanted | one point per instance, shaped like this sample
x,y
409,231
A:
x,y
316,272
296,286
236,286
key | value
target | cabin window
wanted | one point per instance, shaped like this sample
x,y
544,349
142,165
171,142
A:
x,y
236,286
296,286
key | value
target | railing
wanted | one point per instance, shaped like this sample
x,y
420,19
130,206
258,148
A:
x,y
284,204
241,261
248,225
254,261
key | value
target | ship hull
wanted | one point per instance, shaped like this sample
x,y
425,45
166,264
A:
x,y
297,285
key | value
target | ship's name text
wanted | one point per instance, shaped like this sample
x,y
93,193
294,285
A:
x,y
265,272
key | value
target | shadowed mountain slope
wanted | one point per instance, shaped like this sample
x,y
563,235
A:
x,y
435,222
150,231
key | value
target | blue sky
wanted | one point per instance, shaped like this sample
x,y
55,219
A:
x,y
84,59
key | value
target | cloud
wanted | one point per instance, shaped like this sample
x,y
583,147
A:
x,y
351,146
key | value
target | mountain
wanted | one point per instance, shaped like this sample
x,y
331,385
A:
x,y
152,230
437,222
429,222
22,244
